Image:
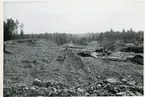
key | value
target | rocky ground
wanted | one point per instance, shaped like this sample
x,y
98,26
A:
x,y
108,87
41,68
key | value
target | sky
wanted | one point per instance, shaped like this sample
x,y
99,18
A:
x,y
76,16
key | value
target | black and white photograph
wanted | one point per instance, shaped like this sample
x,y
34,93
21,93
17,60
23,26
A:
x,y
73,48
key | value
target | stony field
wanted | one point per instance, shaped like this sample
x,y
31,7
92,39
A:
x,y
41,68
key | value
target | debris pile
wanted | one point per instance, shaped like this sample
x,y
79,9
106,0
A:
x,y
113,56
70,60
108,87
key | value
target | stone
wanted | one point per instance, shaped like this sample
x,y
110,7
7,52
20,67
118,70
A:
x,y
115,90
91,89
105,93
21,85
33,88
26,88
65,90
122,87
43,91
48,84
139,89
99,92
97,76
95,91
133,83
124,80
112,80
44,84
121,94
93,95
52,90
138,93
107,85
98,86
130,93
112,89
37,82
80,90
87,94
44,88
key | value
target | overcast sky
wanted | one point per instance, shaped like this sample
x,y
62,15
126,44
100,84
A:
x,y
77,16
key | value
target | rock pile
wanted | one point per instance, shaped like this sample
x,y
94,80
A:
x,y
108,87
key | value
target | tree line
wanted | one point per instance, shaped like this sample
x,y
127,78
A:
x,y
11,32
11,27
